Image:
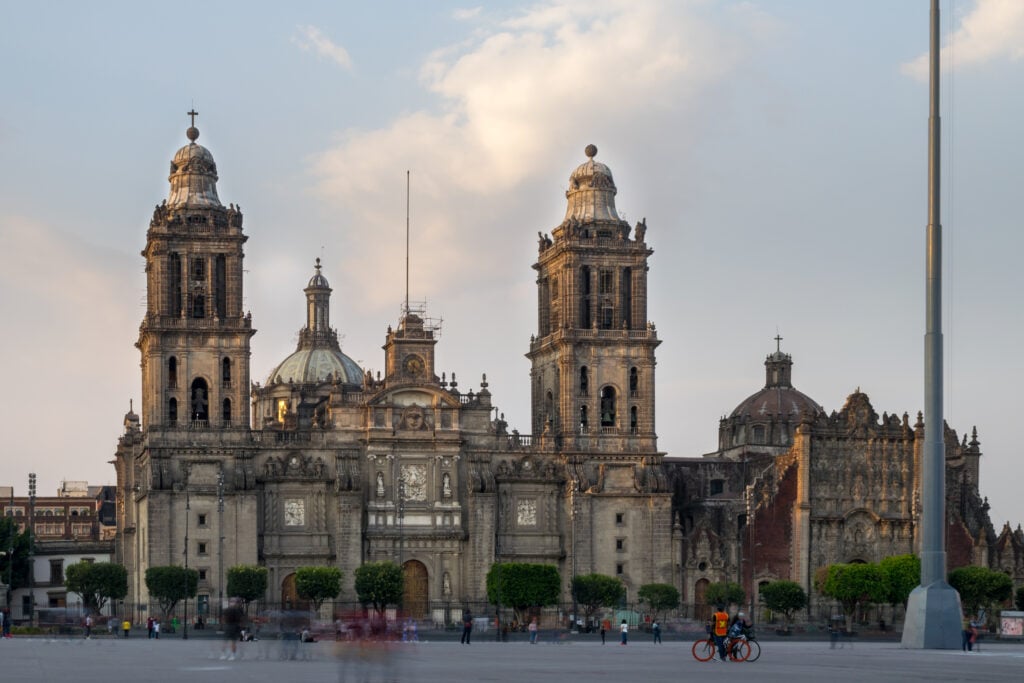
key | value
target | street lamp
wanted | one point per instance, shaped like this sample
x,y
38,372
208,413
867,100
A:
x,y
184,625
31,547
401,537
572,514
220,540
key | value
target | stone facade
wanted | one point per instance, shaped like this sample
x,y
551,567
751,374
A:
x,y
337,467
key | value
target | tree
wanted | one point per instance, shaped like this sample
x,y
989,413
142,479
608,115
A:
x,y
97,582
659,597
855,584
593,591
785,597
904,574
725,593
171,584
379,584
980,587
1019,599
522,585
247,583
18,541
317,584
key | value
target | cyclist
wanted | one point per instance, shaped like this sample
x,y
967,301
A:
x,y
739,626
719,630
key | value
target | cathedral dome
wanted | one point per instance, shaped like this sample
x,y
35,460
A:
x,y
591,192
193,176
315,365
777,400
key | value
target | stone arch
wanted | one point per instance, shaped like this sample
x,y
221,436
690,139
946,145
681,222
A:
x,y
290,599
701,608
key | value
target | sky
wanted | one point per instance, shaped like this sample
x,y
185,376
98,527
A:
x,y
777,150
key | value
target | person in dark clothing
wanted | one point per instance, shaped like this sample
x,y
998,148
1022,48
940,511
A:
x,y
467,627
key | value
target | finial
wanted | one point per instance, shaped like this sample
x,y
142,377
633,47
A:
x,y
317,266
591,151
192,133
778,342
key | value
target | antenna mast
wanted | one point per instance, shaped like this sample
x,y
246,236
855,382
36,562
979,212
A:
x,y
407,241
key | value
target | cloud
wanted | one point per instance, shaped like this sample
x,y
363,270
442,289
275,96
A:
x,y
992,30
467,13
518,102
312,39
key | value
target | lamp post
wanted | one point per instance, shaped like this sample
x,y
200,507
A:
x,y
572,514
10,560
401,537
31,547
220,539
184,622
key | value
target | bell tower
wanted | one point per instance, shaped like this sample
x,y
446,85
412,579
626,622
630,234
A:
x,y
593,356
194,338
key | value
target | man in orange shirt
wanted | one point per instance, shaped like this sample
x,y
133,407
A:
x,y
719,628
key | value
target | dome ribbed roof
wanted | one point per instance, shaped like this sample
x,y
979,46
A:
x,y
776,401
315,365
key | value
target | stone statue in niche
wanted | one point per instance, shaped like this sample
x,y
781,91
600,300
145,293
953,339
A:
x,y
446,485
380,484
446,585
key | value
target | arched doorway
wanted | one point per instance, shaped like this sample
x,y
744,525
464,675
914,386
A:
x,y
290,596
414,597
701,608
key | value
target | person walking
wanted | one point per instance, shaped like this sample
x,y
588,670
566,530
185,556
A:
x,y
232,629
532,628
719,629
624,630
467,627
156,629
88,626
126,626
605,627
149,627
656,630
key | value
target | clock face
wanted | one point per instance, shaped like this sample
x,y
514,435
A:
x,y
414,365
294,513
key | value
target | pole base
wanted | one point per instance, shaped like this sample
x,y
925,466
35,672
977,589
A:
x,y
934,618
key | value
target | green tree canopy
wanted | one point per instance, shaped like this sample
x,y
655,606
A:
x,y
659,597
785,597
171,584
594,591
317,584
980,587
904,574
247,583
1019,599
522,585
855,584
379,584
97,582
18,541
725,593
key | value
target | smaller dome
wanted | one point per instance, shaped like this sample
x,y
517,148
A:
x,y
591,193
777,400
318,281
315,365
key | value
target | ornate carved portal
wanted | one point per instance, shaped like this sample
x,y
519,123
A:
x,y
414,599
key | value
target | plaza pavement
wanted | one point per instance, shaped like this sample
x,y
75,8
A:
x,y
138,660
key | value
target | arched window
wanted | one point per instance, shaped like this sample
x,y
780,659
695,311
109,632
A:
x,y
584,380
585,315
220,286
172,411
608,407
174,284
172,373
583,419
634,381
226,414
199,401
225,372
633,423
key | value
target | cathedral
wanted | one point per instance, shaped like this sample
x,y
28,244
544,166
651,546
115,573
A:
x,y
322,463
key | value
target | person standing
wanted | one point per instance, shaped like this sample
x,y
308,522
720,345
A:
x,y
156,629
149,627
88,626
605,627
533,631
126,626
624,631
232,629
656,630
467,627
719,629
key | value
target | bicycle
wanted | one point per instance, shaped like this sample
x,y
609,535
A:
x,y
736,649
